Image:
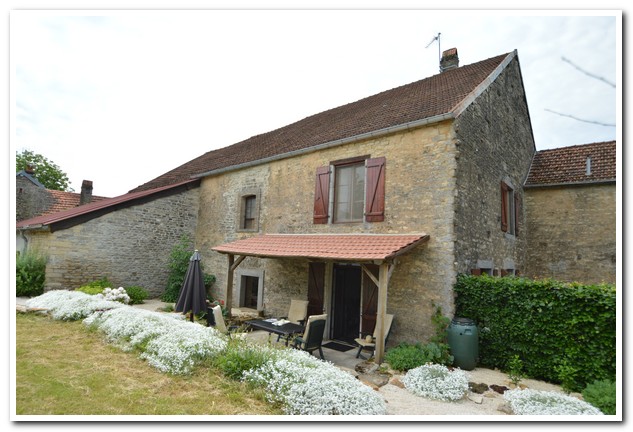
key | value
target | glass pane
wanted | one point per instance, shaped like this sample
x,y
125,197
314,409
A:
x,y
349,192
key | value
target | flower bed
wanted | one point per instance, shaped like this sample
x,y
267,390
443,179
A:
x,y
537,402
435,381
303,384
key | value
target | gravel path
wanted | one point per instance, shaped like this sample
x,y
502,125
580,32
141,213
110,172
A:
x,y
401,402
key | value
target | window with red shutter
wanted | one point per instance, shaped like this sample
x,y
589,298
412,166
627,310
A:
x,y
509,209
375,190
504,207
359,191
322,195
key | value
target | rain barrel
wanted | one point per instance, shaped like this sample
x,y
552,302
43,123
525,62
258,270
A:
x,y
463,340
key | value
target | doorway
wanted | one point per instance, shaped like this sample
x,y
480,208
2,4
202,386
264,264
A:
x,y
346,295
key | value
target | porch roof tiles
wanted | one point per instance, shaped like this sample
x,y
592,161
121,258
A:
x,y
343,247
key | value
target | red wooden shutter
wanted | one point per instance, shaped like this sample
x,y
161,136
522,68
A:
x,y
517,210
316,287
375,187
322,195
475,272
504,207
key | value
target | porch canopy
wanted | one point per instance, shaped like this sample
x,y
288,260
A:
x,y
380,249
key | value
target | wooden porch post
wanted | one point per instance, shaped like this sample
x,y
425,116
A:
x,y
229,285
383,283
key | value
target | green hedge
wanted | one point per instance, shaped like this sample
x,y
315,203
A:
x,y
563,333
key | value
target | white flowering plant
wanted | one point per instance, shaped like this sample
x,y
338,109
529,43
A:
x,y
436,381
71,305
538,402
305,385
300,382
119,294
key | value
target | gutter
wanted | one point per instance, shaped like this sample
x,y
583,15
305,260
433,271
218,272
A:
x,y
373,134
582,183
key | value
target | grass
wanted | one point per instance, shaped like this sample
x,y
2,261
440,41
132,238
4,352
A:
x,y
62,368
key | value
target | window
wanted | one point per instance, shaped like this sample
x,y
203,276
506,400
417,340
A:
x,y
349,191
249,211
358,191
509,210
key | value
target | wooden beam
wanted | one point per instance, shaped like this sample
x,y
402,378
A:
x,y
237,262
383,283
369,274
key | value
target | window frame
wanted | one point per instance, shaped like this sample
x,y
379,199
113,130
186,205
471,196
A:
x,y
509,209
337,166
244,198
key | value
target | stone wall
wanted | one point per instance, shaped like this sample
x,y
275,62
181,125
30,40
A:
x,y
30,199
572,233
129,246
494,144
420,181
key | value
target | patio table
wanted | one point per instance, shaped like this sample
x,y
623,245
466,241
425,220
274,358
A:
x,y
285,330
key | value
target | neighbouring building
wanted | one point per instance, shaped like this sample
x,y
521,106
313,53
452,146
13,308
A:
x,y
571,201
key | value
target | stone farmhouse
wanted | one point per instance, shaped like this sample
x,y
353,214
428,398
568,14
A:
x,y
367,209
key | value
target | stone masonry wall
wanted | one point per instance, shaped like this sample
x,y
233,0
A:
x,y
495,144
130,246
30,200
572,233
419,193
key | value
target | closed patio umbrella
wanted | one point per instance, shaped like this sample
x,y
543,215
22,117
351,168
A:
x,y
193,294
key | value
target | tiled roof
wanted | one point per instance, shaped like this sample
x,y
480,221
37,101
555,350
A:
x,y
67,200
344,247
568,165
106,203
427,98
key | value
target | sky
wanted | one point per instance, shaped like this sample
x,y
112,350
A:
x,y
120,97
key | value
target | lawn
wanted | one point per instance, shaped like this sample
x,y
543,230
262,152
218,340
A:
x,y
62,368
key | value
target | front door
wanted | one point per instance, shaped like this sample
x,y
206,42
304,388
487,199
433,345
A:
x,y
346,302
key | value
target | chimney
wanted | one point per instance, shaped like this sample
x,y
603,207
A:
x,y
29,169
86,192
449,60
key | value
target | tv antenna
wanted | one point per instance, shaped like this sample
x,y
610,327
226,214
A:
x,y
439,51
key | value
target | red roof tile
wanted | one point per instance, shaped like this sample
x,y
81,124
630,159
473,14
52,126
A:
x,y
430,97
349,247
568,165
51,218
66,200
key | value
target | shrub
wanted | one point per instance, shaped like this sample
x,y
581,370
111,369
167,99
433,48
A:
x,y
602,395
408,356
71,305
543,322
241,357
137,294
537,402
178,265
436,382
95,287
30,274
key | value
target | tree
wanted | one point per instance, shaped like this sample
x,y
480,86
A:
x,y
45,171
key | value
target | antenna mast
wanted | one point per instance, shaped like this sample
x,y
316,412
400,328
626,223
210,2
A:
x,y
439,50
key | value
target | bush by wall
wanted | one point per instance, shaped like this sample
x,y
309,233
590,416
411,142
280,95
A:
x,y
30,274
563,333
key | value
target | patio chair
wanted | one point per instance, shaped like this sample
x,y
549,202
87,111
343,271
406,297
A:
x,y
297,313
216,319
365,344
313,336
